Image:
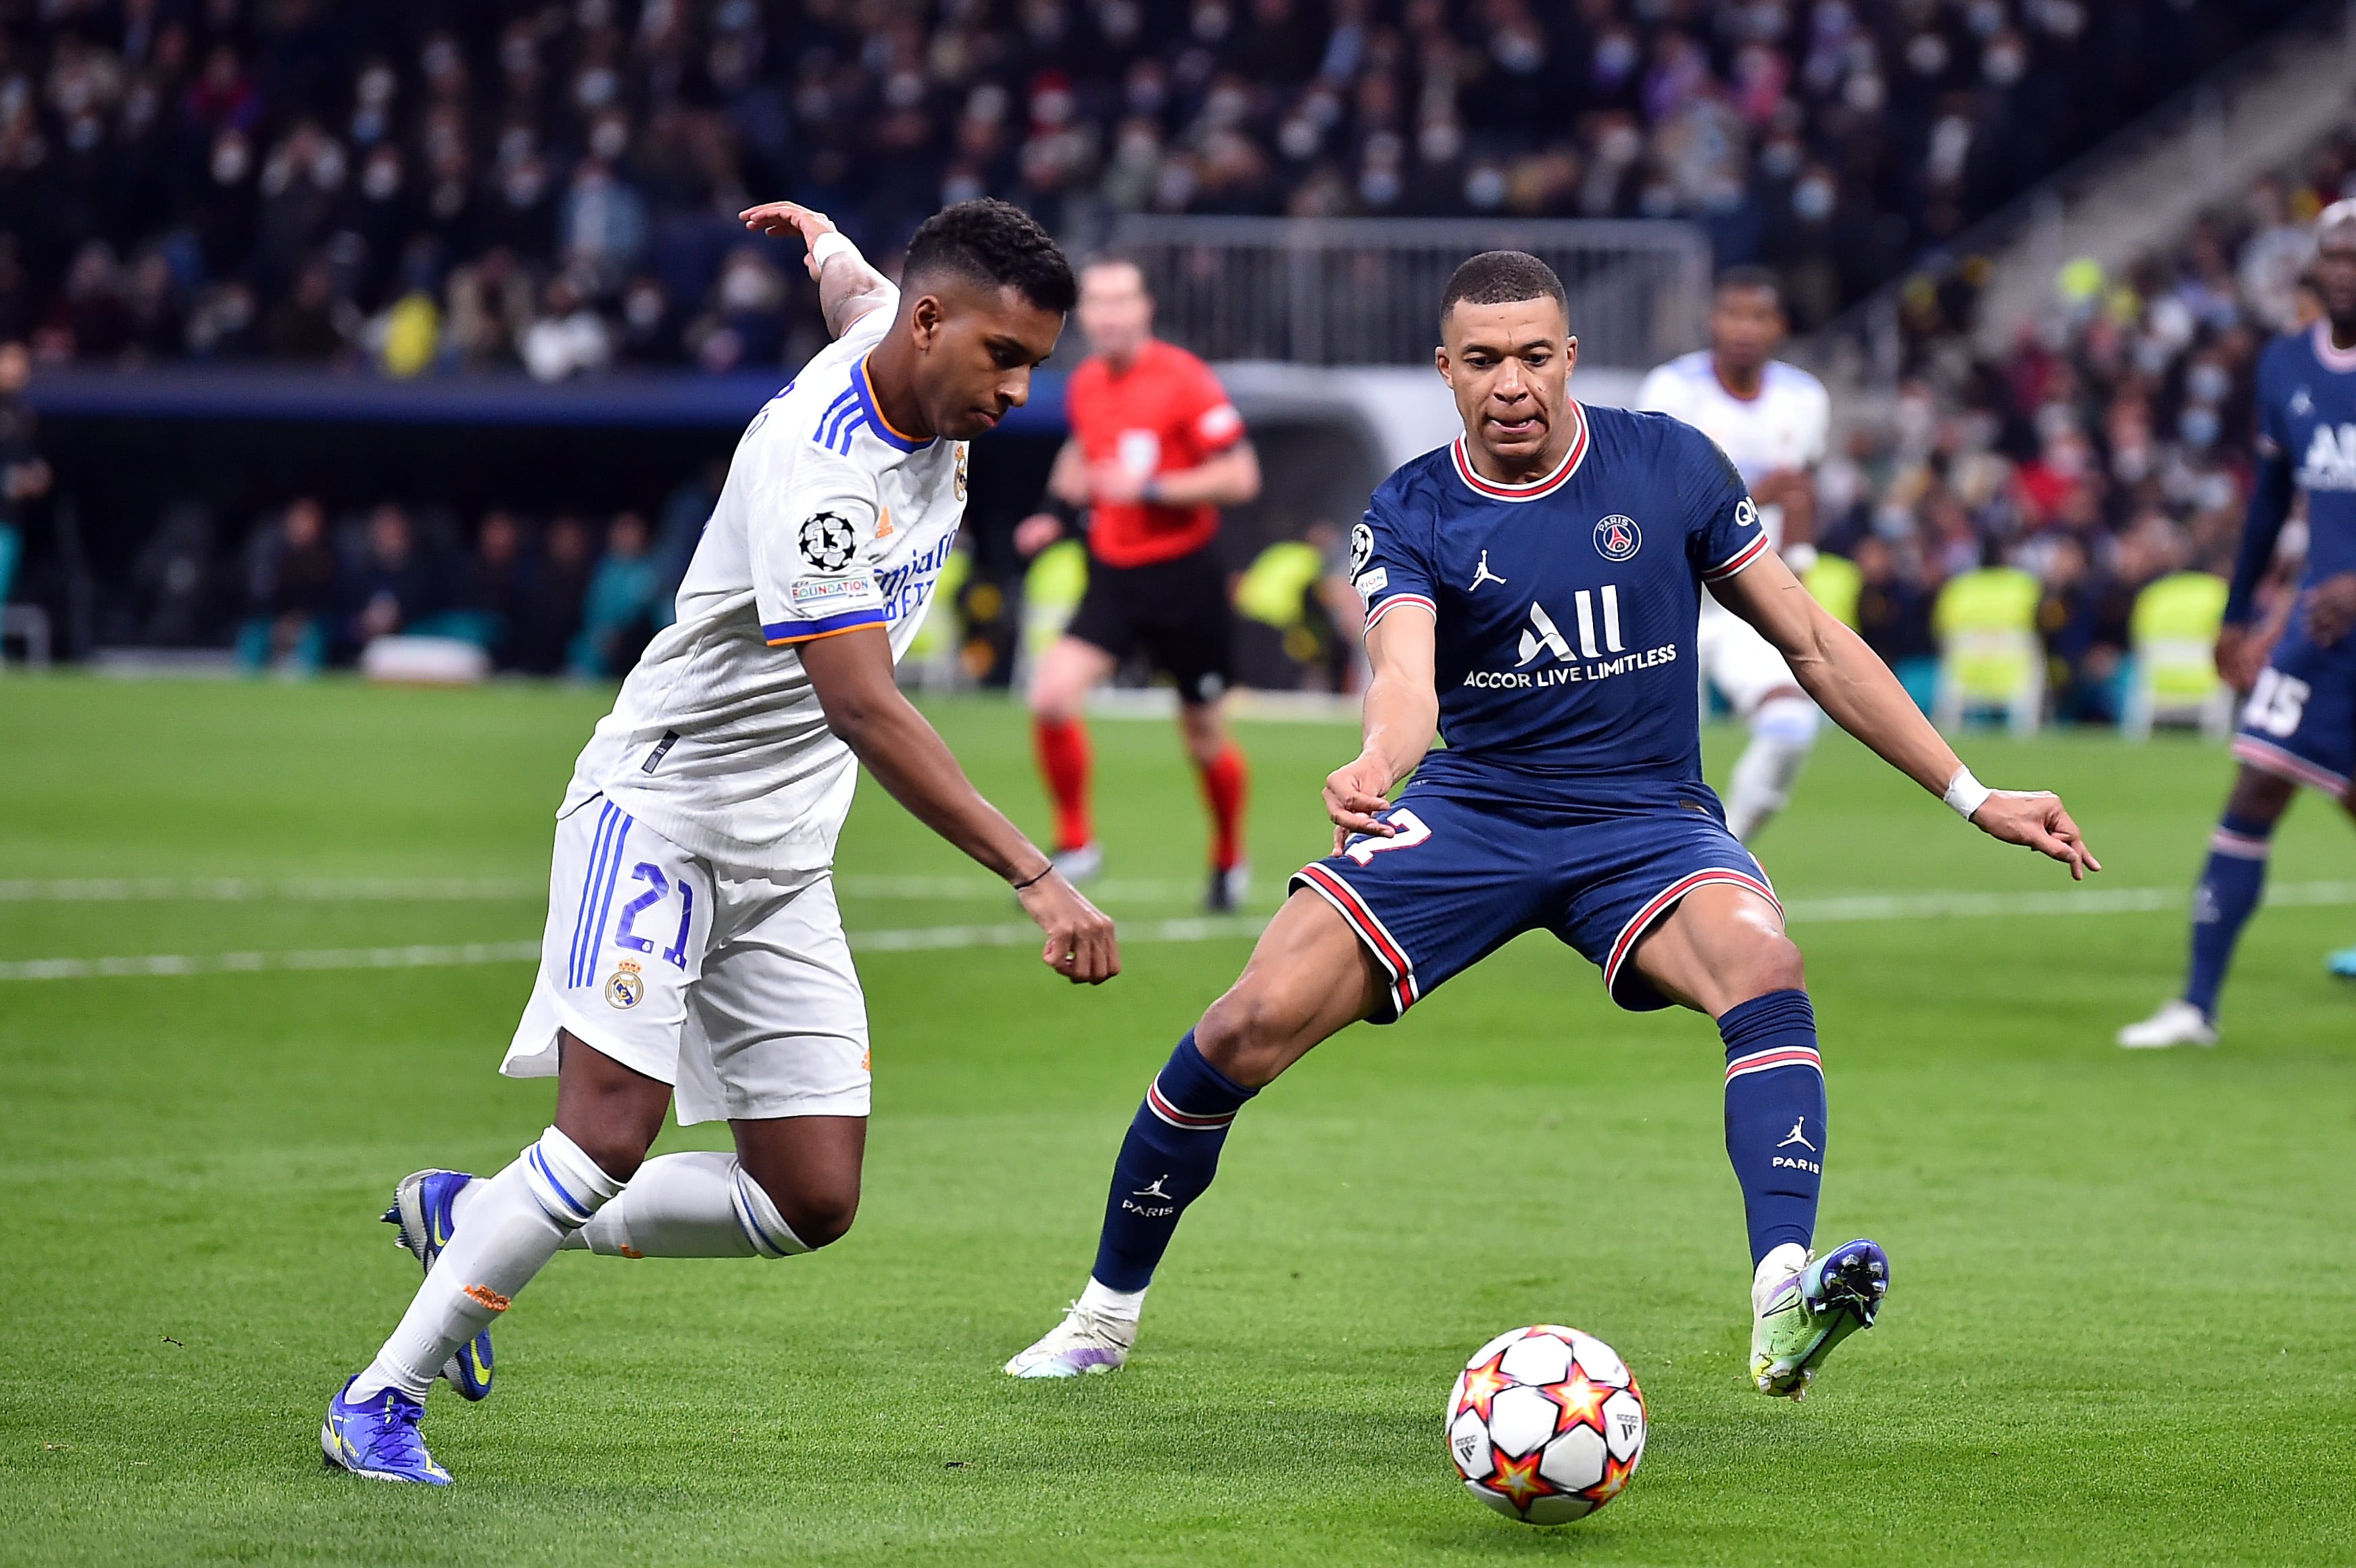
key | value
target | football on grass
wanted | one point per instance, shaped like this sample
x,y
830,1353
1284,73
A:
x,y
1547,1425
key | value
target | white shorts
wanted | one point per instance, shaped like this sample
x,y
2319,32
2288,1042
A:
x,y
735,989
1742,665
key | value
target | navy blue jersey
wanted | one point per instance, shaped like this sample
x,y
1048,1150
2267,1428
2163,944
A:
x,y
2307,415
1566,607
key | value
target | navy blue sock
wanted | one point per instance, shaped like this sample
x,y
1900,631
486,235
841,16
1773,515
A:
x,y
1775,1115
2223,902
1166,1163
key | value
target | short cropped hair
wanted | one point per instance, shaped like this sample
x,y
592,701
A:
x,y
1500,278
997,245
1748,277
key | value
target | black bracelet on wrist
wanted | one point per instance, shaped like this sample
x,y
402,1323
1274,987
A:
x,y
1027,881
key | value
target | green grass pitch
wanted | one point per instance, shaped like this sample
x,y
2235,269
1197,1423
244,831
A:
x,y
2123,1328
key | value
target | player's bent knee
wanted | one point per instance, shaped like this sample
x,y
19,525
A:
x,y
2260,796
821,1221
1251,1034
818,1210
1771,963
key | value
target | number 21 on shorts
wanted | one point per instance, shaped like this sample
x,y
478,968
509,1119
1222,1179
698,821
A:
x,y
1412,830
2276,703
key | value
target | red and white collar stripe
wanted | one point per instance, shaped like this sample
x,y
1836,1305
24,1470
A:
x,y
2332,359
1536,487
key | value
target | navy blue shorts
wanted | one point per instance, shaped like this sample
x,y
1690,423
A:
x,y
1465,875
2300,721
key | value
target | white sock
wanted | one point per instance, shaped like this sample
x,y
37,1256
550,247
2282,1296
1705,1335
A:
x,y
1782,733
1124,1305
697,1204
514,1223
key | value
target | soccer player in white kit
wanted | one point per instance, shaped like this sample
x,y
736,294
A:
x,y
693,949
1772,419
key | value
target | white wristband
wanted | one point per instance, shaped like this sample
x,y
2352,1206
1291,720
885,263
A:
x,y
830,245
1965,793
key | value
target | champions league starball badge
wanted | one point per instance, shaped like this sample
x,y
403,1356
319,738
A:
x,y
1617,538
827,541
1362,548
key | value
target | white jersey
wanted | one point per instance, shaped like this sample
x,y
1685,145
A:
x,y
830,520
1785,427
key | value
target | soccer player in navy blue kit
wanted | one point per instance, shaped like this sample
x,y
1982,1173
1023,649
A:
x,y
1532,595
2299,724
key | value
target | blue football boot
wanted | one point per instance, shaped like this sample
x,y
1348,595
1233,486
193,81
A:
x,y
378,1438
1801,1308
421,1213
2343,963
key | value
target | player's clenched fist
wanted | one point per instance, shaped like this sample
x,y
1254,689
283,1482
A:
x,y
1080,946
2035,818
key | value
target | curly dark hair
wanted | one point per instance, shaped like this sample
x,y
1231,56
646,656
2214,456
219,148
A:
x,y
1498,277
995,244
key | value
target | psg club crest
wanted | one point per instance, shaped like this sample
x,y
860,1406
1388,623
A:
x,y
827,541
1617,538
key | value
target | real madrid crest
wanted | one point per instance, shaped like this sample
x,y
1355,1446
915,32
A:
x,y
1617,538
625,986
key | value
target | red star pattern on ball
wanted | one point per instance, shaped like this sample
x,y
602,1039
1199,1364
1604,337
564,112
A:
x,y
1482,1384
1617,1473
1519,1479
1581,1401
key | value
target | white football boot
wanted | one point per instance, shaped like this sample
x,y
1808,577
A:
x,y
2177,1023
1084,1344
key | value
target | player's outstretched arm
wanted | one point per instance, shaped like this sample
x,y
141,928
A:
x,y
848,288
852,675
1849,682
1402,716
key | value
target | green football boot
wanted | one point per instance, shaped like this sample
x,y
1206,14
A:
x,y
1799,1314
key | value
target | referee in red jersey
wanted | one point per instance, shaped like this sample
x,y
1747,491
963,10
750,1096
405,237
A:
x,y
1155,450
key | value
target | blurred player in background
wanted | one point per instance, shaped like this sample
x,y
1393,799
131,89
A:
x,y
1156,449
694,948
1772,419
2299,724
1533,589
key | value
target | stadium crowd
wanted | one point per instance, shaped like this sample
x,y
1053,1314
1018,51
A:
x,y
560,595
2109,445
553,183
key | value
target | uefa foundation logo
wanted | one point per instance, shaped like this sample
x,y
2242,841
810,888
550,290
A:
x,y
1617,538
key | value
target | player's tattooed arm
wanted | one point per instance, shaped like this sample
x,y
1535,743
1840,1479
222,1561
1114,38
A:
x,y
852,674
1850,682
848,288
1402,716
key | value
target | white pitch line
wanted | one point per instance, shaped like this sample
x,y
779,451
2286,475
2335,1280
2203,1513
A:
x,y
245,889
1833,909
462,889
418,957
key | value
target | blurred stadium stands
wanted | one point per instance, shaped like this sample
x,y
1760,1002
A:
x,y
455,263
